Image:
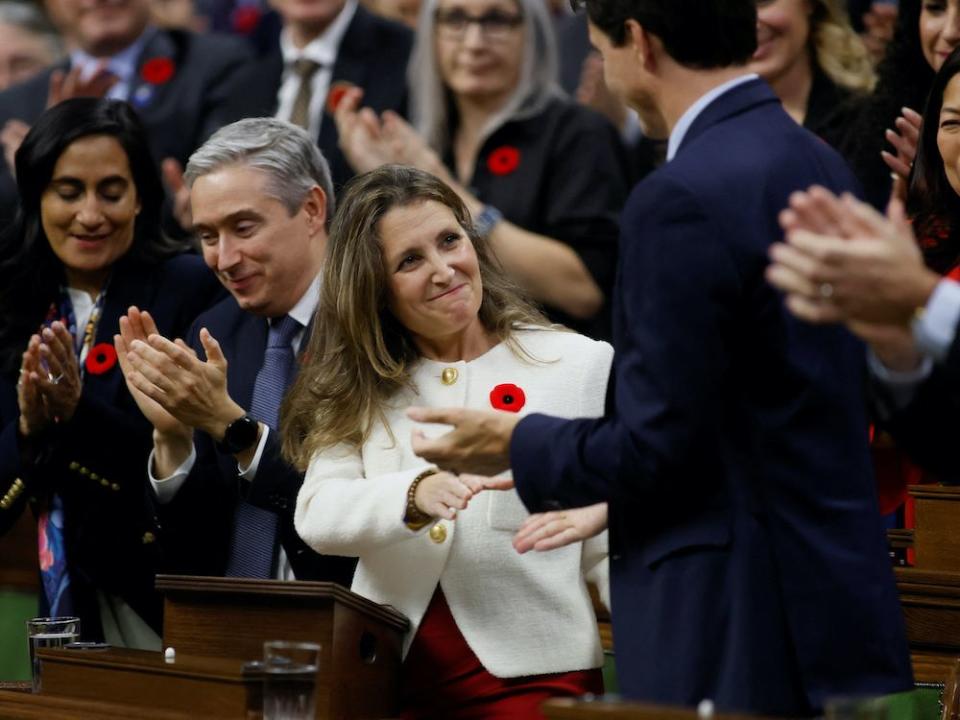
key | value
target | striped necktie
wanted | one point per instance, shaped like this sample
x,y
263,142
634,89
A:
x,y
254,547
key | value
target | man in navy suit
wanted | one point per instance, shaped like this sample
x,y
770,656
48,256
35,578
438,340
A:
x,y
183,86
261,196
748,562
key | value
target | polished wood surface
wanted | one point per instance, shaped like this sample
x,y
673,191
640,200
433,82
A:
x,y
18,556
600,709
27,706
936,541
360,641
208,687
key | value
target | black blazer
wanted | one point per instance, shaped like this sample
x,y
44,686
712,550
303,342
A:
x,y
97,461
748,563
203,95
373,55
198,522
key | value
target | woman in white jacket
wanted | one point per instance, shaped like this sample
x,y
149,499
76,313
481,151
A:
x,y
415,311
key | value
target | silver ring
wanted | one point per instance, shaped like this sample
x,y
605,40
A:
x,y
825,290
54,379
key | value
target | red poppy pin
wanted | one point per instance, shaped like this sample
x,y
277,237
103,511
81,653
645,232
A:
x,y
336,93
158,70
504,160
508,397
101,358
245,19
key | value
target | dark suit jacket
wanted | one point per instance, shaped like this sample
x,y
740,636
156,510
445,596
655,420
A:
x,y
97,461
198,522
373,55
203,95
748,564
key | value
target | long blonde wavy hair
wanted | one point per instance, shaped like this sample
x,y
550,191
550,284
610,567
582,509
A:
x,y
838,49
359,355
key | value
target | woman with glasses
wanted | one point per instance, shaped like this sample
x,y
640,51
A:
x,y
543,178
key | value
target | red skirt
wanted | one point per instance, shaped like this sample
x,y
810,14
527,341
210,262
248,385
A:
x,y
442,678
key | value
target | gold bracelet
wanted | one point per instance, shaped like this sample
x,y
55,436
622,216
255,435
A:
x,y
414,518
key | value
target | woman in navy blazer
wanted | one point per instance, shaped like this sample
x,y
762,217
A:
x,y
86,246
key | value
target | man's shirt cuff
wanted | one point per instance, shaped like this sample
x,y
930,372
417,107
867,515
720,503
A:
x,y
168,487
935,328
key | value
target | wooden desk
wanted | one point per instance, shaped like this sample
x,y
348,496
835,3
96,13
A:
x,y
569,709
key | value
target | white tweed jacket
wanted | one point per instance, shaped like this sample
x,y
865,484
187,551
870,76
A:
x,y
521,614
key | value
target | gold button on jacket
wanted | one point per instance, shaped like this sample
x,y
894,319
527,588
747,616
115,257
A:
x,y
438,533
449,376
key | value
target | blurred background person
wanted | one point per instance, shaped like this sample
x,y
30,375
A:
x,y
28,43
543,177
814,61
182,85
402,11
326,47
933,204
882,138
85,246
415,311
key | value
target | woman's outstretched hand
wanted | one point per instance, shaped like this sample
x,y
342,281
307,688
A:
x,y
557,529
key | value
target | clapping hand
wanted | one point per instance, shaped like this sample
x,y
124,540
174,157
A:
x,y
191,390
72,84
360,134
61,385
139,325
904,140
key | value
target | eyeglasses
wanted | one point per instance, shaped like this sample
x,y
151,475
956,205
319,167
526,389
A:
x,y
496,26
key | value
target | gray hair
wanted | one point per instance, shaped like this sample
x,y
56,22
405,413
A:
x,y
537,85
284,152
29,18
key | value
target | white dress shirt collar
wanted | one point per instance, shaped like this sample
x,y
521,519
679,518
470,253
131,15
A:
x,y
322,49
693,112
303,311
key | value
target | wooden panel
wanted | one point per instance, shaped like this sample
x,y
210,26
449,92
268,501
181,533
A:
x,y
18,555
935,540
360,641
26,706
208,687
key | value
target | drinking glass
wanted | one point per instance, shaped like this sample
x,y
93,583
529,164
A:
x,y
49,632
290,679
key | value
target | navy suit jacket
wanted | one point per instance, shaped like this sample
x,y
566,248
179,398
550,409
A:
x,y
748,563
97,460
373,55
204,94
198,522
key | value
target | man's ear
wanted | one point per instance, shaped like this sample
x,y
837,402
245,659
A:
x,y
315,206
643,43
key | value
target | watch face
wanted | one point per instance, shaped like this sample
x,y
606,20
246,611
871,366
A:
x,y
240,434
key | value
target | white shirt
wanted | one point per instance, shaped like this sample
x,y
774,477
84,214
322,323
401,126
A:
x,y
693,112
167,488
321,50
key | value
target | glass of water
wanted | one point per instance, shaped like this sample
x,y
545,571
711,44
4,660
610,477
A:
x,y
49,632
290,680
869,708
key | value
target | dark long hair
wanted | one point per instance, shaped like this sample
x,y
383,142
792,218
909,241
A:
x,y
903,80
30,273
932,202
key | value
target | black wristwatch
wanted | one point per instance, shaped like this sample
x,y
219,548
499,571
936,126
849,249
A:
x,y
240,435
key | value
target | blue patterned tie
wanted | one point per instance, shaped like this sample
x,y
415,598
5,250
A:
x,y
253,548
